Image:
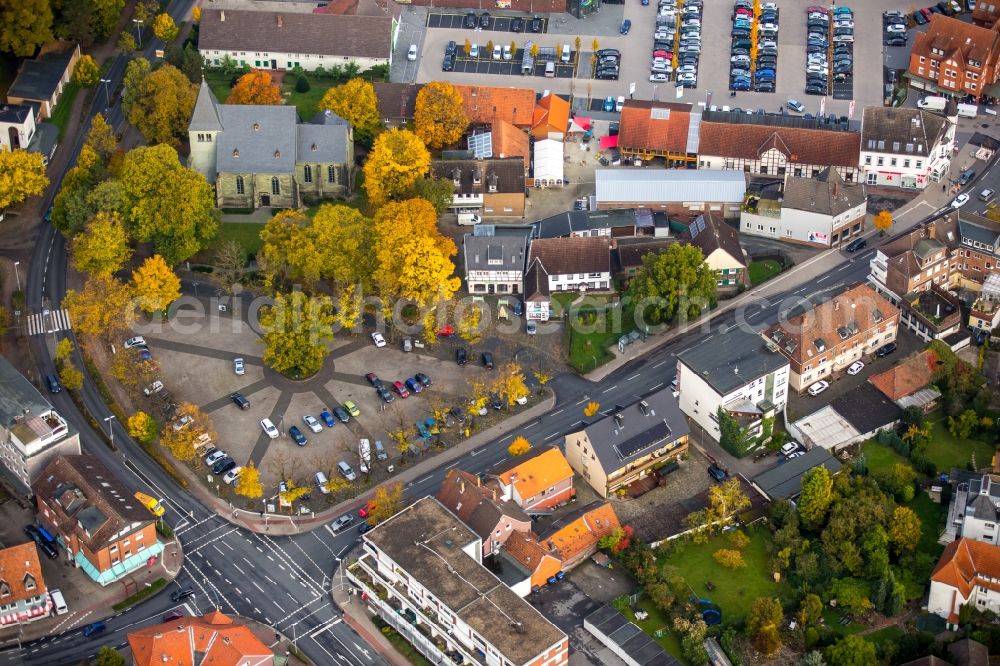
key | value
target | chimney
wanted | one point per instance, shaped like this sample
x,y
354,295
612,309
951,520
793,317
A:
x,y
836,188
937,311
222,16
461,486
280,20
984,489
996,461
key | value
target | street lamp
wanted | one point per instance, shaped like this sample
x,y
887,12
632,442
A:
x,y
107,93
17,274
138,33
195,284
111,430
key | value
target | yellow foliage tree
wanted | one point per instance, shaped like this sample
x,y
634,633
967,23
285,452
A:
x,y
255,87
470,322
64,349
103,307
342,238
591,408
293,492
181,443
542,377
439,115
196,14
249,484
386,503
86,72
349,308
130,370
356,103
70,377
288,246
518,447
103,248
164,28
883,221
143,427
101,137
510,384
156,285
427,273
159,104
397,159
731,559
296,329
22,175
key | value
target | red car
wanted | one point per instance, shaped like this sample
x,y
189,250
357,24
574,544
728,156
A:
x,y
819,10
400,389
364,511
446,331
661,54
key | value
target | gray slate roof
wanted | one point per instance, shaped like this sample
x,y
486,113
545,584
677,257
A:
x,y
976,228
736,358
785,480
669,185
205,116
624,637
867,409
582,221
15,114
826,194
901,130
38,79
18,396
509,249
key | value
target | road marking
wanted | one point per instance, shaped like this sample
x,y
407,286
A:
x,y
457,462
610,388
555,434
686,348
559,412
505,438
476,453
636,375
656,387
426,478
823,278
659,364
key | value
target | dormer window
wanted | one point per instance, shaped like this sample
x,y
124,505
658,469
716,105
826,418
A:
x,y
236,152
29,582
4,589
256,127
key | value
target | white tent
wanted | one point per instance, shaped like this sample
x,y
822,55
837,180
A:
x,y
548,163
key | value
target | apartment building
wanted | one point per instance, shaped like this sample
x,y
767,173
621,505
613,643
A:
x,y
904,147
482,508
917,260
214,638
494,259
23,594
966,573
955,58
489,187
832,335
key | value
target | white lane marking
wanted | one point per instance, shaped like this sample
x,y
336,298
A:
x,y
610,388
628,379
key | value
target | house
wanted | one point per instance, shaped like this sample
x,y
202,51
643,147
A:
x,y
967,652
284,40
678,192
965,574
397,102
551,118
564,264
624,222
494,259
775,145
908,384
40,82
104,530
263,156
984,315
744,376
511,141
979,253
32,432
423,568
933,314
784,482
905,147
822,211
537,481
548,164
832,335
525,549
626,640
652,129
720,244
954,58
986,13
489,187
626,446
575,536
17,126
214,638
482,509
852,418
916,260
485,105
978,504
629,253
23,593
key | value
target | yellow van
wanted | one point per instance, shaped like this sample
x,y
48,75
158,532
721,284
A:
x,y
151,503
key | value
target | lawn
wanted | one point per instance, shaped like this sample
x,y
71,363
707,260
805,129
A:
x,y
307,103
246,234
734,590
60,115
932,517
947,451
880,457
762,271
589,342
657,619
891,633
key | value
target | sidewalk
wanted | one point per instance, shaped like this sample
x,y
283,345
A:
x,y
356,617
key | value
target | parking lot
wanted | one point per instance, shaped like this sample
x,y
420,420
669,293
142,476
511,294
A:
x,y
496,23
510,67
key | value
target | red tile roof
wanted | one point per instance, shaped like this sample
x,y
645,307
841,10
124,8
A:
x,y
510,141
526,549
19,569
485,104
573,254
800,145
658,126
580,537
537,473
551,115
199,641
957,39
966,563
908,377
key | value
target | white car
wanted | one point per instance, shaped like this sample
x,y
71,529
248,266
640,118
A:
x,y
497,52
789,448
816,69
847,24
843,38
819,387
659,77
687,78
215,457
960,200
620,104
137,341
312,423
378,339
269,428
474,51
687,69
230,477
507,53
797,454
411,55
238,367
523,400
896,28
183,422
855,368
155,387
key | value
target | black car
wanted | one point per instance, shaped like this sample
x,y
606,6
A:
x,y
341,414
919,17
717,473
815,90
422,378
885,350
764,86
606,75
496,401
470,20
240,400
603,53
856,245
448,64
385,394
224,465
517,25
484,20
451,48
461,357
183,593
458,413
297,436
966,176
536,24
895,41
488,360
373,379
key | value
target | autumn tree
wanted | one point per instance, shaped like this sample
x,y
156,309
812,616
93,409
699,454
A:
x,y
542,377
70,377
725,501
883,221
166,203
287,247
510,384
904,530
729,558
851,650
24,26
156,285
817,493
296,329
397,159
675,282
386,503
145,10
104,248
131,370
470,323
22,175
64,350
159,103
164,28
439,115
106,14
467,47
518,447
101,137
342,239
440,192
86,72
248,484
255,87
133,83
293,492
591,408
763,621
181,442
143,427
126,42
355,102
103,307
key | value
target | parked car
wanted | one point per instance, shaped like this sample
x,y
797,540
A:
x,y
626,26
229,478
717,473
470,20
378,339
297,436
351,408
137,341
413,385
885,350
819,387
346,471
240,400
795,105
384,393
327,418
269,428
401,389
461,357
856,244
422,378
223,466
341,414
488,360
789,448
484,20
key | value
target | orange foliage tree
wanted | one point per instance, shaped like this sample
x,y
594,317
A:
x,y
256,87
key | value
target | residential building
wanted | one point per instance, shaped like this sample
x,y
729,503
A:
x,y
538,481
954,58
511,141
485,105
986,13
481,508
625,447
488,187
720,244
626,640
624,222
651,129
851,418
978,508
744,376
784,482
965,574
263,156
832,335
284,40
917,260
823,211
776,145
905,147
967,652
934,314
629,254
681,193
41,81
214,638
574,537
908,384
23,594
397,102
494,259
551,118
17,126
104,530
565,264
422,573
531,556
979,253
984,315
32,432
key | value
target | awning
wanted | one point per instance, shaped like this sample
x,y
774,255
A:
x,y
609,142
121,569
584,123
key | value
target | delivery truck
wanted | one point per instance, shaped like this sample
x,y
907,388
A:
x,y
932,103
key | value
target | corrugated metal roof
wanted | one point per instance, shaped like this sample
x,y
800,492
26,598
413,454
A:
x,y
668,185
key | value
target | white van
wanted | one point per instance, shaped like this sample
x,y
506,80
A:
x,y
566,53
932,103
58,602
550,70
968,110
321,483
469,219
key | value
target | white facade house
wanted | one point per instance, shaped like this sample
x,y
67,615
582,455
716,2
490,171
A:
x,y
17,126
738,373
967,573
905,147
573,263
494,259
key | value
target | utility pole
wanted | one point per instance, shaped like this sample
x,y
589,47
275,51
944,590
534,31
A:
x,y
111,430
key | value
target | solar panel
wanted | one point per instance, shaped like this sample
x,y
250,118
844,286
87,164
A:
x,y
659,114
644,440
697,226
481,145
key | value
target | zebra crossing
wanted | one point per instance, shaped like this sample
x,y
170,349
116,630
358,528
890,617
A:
x,y
49,321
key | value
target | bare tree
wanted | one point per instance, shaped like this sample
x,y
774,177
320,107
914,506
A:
x,y
230,260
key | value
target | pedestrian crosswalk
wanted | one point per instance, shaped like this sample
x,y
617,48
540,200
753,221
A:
x,y
49,321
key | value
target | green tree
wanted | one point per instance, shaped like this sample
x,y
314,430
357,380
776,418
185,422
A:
x,y
106,15
24,26
763,621
732,437
108,656
851,650
904,530
440,192
159,104
817,493
126,42
673,283
851,594
164,28
725,501
898,480
814,658
810,610
86,72
75,22
104,248
964,425
296,329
